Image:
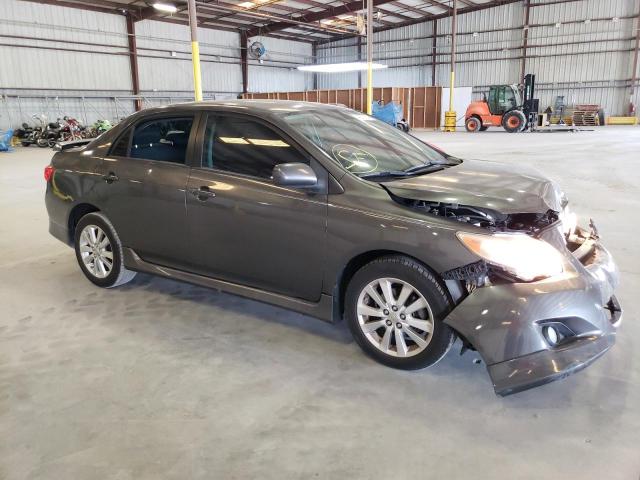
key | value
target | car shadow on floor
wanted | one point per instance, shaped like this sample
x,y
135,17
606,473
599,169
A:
x,y
235,305
228,305
211,316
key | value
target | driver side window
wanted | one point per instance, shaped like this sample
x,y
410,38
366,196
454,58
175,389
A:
x,y
242,145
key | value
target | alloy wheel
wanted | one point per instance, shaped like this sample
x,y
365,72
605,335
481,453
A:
x,y
395,317
96,251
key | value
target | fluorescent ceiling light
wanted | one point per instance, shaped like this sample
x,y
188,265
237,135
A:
x,y
256,3
340,67
165,7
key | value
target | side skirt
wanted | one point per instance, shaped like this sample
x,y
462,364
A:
x,y
323,309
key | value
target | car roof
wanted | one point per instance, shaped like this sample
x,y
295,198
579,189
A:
x,y
255,106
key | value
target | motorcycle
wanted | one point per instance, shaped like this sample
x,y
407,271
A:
x,y
97,129
29,135
50,135
62,130
101,126
71,129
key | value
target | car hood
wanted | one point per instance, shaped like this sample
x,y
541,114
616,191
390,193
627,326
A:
x,y
497,186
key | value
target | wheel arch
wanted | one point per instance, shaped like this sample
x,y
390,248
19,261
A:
x,y
76,213
359,261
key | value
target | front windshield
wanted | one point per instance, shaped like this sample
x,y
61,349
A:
x,y
362,144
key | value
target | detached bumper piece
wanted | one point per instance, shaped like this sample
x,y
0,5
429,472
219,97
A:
x,y
546,366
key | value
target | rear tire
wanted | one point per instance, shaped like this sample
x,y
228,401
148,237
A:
x,y
99,251
514,121
473,124
394,307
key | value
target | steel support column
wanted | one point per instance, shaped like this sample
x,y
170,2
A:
x,y
434,46
369,55
133,60
634,72
450,115
314,59
244,54
359,60
525,40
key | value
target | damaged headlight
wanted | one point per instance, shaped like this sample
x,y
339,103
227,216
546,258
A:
x,y
569,221
521,255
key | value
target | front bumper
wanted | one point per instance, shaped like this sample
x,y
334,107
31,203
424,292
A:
x,y
505,322
546,366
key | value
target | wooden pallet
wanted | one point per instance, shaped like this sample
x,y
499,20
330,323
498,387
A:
x,y
586,115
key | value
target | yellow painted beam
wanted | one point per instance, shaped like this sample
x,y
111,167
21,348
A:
x,y
197,76
622,120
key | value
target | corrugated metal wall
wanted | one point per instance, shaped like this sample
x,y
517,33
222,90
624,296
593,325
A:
x,y
278,71
65,61
29,67
166,48
587,62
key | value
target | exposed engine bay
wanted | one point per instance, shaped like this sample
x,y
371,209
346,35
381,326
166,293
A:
x,y
492,220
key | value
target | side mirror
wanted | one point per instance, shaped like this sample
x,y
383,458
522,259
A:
x,y
295,175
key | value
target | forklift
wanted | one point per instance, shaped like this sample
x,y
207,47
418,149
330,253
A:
x,y
511,106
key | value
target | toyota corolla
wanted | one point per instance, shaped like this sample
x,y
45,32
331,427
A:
x,y
334,214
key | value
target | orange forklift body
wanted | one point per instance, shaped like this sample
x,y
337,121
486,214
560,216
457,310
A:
x,y
480,109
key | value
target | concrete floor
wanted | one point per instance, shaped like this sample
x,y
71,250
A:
x,y
159,379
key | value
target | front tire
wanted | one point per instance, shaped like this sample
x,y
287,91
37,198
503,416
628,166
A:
x,y
394,307
99,251
514,121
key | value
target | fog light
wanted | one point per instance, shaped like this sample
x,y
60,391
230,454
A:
x,y
551,334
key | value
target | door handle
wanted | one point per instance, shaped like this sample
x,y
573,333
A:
x,y
202,193
110,177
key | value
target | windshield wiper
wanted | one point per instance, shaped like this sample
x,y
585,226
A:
x,y
415,170
388,173
427,167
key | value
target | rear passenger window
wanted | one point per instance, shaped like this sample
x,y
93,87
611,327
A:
x,y
121,148
164,140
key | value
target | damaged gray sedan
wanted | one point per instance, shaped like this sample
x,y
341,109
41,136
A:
x,y
331,213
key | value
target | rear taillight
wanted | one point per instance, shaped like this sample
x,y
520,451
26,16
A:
x,y
48,172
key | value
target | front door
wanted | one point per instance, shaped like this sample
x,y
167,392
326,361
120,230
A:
x,y
145,176
242,227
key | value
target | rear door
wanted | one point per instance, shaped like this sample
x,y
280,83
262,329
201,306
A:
x,y
145,177
242,227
